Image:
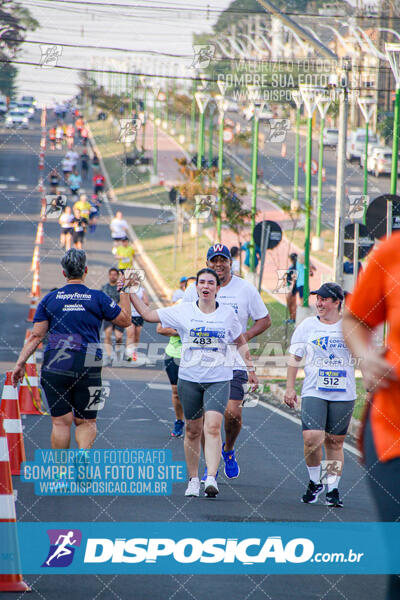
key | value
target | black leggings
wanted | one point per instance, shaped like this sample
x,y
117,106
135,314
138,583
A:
x,y
384,483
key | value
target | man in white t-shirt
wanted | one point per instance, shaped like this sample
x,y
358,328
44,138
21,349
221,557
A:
x,y
328,393
119,228
67,166
247,303
73,157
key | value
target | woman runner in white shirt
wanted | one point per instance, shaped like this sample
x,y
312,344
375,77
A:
x,y
66,221
207,330
328,393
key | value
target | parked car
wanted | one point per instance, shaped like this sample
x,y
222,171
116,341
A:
x,y
371,148
16,117
3,108
356,143
233,106
26,107
30,99
380,162
266,113
330,137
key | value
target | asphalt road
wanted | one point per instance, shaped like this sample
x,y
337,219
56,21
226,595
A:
x,y
138,414
279,171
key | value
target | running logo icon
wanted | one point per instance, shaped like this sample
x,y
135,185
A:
x,y
322,342
203,54
278,129
63,543
49,56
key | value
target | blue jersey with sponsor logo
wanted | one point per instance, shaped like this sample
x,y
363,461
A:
x,y
75,314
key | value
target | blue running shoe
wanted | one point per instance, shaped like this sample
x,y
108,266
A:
x,y
231,468
203,479
178,428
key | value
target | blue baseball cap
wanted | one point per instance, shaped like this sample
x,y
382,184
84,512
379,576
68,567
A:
x,y
182,279
218,250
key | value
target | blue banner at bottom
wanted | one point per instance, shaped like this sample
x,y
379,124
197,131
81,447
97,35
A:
x,y
219,548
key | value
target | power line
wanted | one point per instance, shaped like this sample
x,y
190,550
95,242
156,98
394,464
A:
x,y
162,76
209,9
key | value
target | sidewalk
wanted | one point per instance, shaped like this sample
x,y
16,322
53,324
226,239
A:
x,y
277,260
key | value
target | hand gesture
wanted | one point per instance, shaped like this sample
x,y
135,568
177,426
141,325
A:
x,y
290,398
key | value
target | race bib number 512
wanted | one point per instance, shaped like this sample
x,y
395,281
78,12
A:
x,y
331,380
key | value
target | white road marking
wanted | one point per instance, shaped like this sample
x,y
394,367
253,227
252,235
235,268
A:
x,y
159,386
22,186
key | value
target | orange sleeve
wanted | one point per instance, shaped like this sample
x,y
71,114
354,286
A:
x,y
367,302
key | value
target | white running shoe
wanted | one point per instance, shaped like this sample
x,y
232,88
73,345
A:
x,y
193,488
211,487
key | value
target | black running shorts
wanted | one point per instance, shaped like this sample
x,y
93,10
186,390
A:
x,y
237,390
172,368
78,392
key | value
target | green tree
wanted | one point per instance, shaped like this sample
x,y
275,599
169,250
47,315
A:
x,y
243,8
15,22
385,128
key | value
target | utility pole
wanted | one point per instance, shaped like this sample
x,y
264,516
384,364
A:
x,y
338,249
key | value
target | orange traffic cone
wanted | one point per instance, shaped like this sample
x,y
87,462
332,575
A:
x,y
36,283
35,259
29,394
14,582
39,234
43,209
32,308
12,425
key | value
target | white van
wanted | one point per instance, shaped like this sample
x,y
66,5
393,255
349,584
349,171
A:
x,y
356,143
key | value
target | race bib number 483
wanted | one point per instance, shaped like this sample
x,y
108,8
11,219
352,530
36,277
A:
x,y
207,339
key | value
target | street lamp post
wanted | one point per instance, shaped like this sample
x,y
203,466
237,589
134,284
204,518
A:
x,y
202,100
367,106
211,111
254,95
308,94
156,123
298,101
393,55
193,119
144,82
323,103
222,106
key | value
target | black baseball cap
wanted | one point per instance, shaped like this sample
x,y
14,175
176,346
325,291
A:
x,y
330,290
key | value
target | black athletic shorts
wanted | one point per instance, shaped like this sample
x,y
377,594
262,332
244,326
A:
x,y
77,392
79,236
172,368
108,324
67,230
299,289
237,390
137,321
